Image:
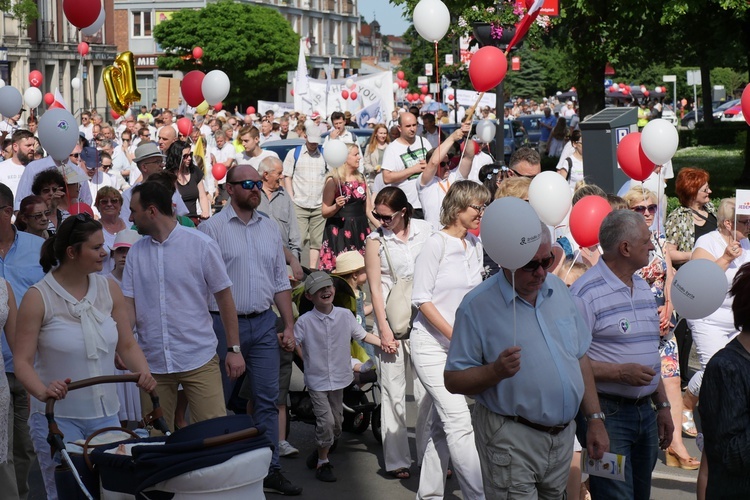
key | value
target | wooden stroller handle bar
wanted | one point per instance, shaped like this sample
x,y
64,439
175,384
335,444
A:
x,y
88,382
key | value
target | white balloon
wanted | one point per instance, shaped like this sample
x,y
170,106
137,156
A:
x,y
75,83
432,19
511,232
549,195
58,133
215,87
349,83
486,132
396,86
32,97
427,99
275,108
699,288
335,153
11,101
616,87
659,140
96,26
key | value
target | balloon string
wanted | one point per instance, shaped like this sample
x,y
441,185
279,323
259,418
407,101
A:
x,y
575,257
437,85
513,281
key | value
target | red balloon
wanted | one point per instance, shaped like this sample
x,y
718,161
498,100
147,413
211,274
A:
x,y
612,89
353,96
586,218
185,126
218,106
488,68
191,88
400,75
745,101
250,110
49,98
82,13
219,170
292,91
197,52
403,84
424,89
113,114
632,159
80,208
450,97
345,94
646,93
83,48
421,97
35,78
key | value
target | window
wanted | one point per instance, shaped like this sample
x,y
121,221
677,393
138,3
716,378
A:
x,y
141,24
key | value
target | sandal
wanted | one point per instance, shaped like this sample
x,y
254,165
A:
x,y
688,424
402,473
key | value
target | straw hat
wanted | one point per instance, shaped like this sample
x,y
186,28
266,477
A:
x,y
348,262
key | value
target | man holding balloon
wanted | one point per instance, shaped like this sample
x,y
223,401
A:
x,y
520,348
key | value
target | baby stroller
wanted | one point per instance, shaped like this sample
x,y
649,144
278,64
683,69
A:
x,y
225,457
361,400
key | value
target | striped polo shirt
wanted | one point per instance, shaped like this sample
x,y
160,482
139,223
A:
x,y
624,325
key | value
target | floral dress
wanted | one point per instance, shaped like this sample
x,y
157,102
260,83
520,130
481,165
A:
x,y
348,229
655,274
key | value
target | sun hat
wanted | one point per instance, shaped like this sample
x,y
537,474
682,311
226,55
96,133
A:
x,y
126,239
348,262
147,150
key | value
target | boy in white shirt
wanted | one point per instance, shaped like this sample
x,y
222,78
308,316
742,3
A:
x,y
324,335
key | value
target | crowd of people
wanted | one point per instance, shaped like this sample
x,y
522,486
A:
x,y
574,350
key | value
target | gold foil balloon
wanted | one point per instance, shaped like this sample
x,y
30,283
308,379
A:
x,y
202,108
120,84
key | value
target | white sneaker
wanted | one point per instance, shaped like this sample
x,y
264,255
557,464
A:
x,y
287,450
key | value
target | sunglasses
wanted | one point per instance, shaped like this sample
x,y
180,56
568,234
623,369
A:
x,y
248,184
185,157
106,165
535,264
74,155
107,201
642,210
384,218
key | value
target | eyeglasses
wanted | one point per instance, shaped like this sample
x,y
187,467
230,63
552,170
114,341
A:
x,y
109,201
74,155
249,184
642,210
39,215
705,190
535,264
384,218
99,138
479,208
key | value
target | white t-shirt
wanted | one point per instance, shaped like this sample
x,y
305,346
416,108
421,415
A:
x,y
10,174
431,197
223,155
575,169
399,156
243,159
480,159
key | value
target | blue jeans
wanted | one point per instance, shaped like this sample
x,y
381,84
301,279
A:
x,y
260,348
632,432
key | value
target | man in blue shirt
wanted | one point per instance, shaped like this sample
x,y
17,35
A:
x,y
19,265
546,125
524,409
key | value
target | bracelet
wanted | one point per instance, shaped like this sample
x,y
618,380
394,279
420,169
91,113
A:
x,y
662,405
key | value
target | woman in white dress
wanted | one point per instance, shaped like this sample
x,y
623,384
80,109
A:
x,y
8,323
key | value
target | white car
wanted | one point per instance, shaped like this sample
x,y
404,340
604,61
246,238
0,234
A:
x,y
668,114
733,114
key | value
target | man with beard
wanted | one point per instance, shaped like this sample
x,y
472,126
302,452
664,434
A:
x,y
252,248
12,169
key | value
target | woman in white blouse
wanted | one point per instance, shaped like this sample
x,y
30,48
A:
x,y
70,325
449,267
404,238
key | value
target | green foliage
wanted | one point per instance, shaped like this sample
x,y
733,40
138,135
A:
x,y
25,11
255,46
733,81
723,163
423,52
527,82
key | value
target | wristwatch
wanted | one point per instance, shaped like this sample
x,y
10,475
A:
x,y
594,416
235,349
662,405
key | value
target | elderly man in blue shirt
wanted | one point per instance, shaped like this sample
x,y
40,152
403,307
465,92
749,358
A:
x,y
527,394
619,310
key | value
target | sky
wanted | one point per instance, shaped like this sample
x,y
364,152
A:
x,y
388,15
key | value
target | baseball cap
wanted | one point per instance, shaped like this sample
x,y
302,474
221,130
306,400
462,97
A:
x,y
313,133
316,281
315,115
126,239
147,150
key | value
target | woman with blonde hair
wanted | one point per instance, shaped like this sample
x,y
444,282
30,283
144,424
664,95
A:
x,y
347,204
517,187
374,152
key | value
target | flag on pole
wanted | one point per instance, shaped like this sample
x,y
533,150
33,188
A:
x,y
523,26
300,79
59,101
742,202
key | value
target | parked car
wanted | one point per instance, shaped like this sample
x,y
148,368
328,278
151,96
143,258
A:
x,y
533,128
689,120
282,147
668,114
719,112
733,114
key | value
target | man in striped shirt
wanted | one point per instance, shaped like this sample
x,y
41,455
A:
x,y
620,310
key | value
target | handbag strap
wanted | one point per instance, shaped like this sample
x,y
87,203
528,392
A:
x,y
387,255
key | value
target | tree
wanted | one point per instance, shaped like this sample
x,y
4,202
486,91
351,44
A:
x,y
528,81
24,11
255,46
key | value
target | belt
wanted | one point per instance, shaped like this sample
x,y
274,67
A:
x,y
623,400
554,430
242,316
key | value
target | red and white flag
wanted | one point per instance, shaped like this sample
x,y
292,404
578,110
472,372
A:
x,y
59,101
533,9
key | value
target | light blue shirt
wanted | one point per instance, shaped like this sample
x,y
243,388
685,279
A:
x,y
624,325
548,388
21,269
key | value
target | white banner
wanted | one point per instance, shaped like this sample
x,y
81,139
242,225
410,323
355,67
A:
x,y
278,108
742,202
374,96
469,97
